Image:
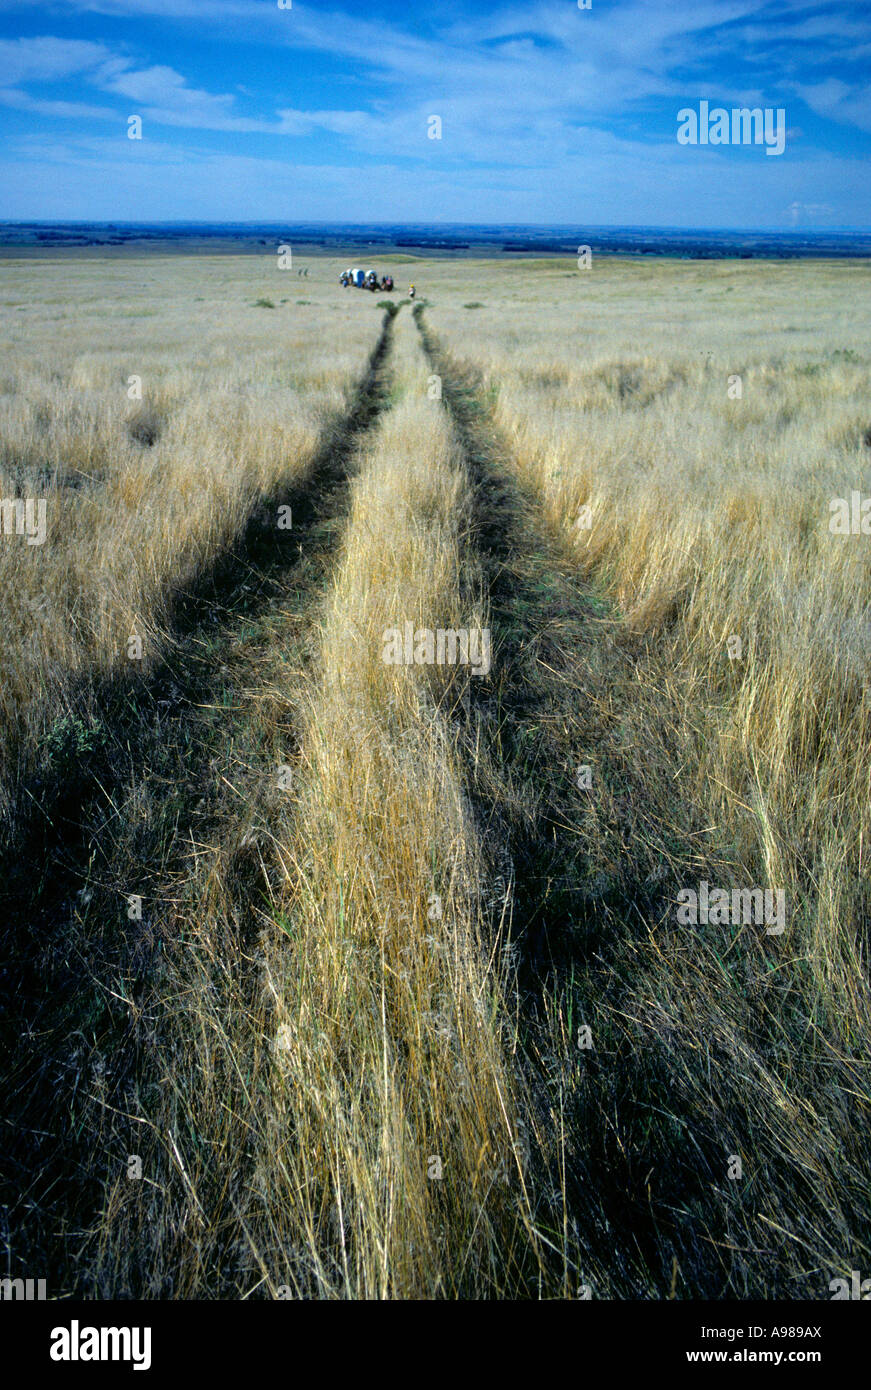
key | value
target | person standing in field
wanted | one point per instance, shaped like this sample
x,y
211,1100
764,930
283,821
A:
x,y
411,291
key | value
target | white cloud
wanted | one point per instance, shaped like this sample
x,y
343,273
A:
x,y
541,104
606,180
838,101
47,59
162,94
63,110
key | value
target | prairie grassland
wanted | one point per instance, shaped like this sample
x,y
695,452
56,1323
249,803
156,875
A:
x,y
343,1039
709,521
361,1081
109,764
142,494
392,1115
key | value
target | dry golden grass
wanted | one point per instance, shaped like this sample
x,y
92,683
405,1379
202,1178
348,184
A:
x,y
709,519
142,495
343,1040
361,1082
392,1124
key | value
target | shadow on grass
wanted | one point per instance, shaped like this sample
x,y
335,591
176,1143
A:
x,y
592,875
78,962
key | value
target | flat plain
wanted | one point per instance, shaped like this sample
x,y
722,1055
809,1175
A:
x,y
339,977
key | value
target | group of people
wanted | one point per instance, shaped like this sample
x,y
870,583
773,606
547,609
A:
x,y
366,281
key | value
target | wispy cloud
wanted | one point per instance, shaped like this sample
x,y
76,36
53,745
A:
x,y
48,59
568,104
839,101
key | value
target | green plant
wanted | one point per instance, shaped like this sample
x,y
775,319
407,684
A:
x,y
71,738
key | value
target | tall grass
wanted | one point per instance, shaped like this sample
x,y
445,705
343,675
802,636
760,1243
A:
x,y
141,494
709,522
337,1077
345,1046
394,1137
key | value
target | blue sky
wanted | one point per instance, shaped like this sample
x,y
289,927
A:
x,y
549,113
